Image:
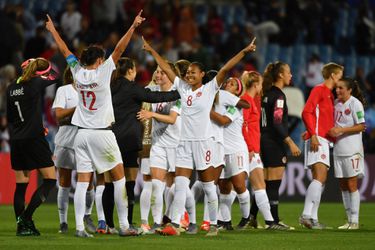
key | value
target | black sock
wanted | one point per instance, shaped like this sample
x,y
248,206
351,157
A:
x,y
272,189
131,200
108,200
39,196
19,198
254,207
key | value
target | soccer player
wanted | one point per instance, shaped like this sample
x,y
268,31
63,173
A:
x,y
251,132
195,148
95,143
318,118
348,160
29,148
274,132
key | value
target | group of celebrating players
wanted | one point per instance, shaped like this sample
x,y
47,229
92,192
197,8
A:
x,y
228,131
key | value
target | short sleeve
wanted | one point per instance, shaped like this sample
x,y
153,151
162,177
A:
x,y
59,101
232,113
228,99
359,113
177,107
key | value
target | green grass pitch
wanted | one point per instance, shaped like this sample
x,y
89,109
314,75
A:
x,y
332,214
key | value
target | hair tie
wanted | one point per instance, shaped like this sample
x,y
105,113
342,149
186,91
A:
x,y
239,83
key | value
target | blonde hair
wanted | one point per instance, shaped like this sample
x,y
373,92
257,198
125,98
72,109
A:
x,y
330,68
31,68
249,78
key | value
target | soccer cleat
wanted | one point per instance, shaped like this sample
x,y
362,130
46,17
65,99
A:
x,y
353,226
83,234
155,228
102,227
128,232
318,226
23,229
243,223
305,221
205,226
184,222
285,225
253,223
89,224
170,230
63,228
213,231
225,226
345,226
30,225
192,229
145,228
166,220
112,230
277,226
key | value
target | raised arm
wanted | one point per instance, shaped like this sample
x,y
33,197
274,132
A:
x,y
59,41
220,77
160,61
124,41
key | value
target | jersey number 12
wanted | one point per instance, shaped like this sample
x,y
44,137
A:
x,y
88,95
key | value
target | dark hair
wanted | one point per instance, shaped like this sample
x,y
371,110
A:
x,y
356,90
91,54
271,74
68,76
199,65
122,67
182,67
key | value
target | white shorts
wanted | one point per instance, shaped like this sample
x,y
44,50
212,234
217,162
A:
x,y
235,164
145,166
195,154
322,155
65,157
96,150
164,158
349,166
217,154
256,162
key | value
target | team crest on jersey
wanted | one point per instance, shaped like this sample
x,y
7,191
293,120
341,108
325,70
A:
x,y
323,156
347,111
283,159
199,94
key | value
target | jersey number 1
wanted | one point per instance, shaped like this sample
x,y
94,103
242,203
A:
x,y
19,110
88,95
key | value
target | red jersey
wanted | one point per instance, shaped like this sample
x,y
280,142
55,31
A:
x,y
251,124
318,112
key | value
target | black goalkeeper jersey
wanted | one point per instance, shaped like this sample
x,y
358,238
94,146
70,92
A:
x,y
274,121
127,98
24,108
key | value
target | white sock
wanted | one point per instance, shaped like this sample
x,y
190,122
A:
x,y
190,206
346,201
354,206
145,201
233,194
165,194
313,194
157,193
169,201
90,198
212,200
121,201
206,215
63,203
244,200
178,206
80,204
98,202
197,190
263,204
315,208
225,205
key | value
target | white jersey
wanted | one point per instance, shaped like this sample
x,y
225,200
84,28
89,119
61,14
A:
x,y
195,110
225,99
164,134
94,108
233,138
349,114
66,97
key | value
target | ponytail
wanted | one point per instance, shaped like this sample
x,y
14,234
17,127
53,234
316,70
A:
x,y
34,67
124,64
356,90
271,74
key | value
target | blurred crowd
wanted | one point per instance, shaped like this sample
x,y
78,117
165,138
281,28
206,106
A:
x,y
205,31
